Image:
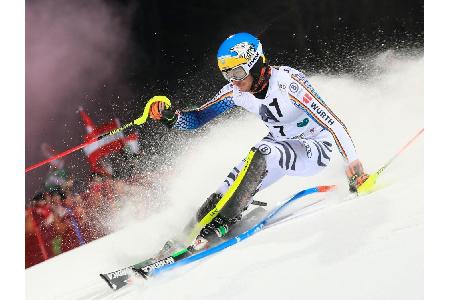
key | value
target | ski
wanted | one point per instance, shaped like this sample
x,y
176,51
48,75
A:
x,y
232,241
120,278
152,267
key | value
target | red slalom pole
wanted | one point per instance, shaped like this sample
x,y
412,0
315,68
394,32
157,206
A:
x,y
403,149
139,121
59,155
369,184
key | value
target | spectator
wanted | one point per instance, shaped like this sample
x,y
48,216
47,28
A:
x,y
66,215
43,216
35,251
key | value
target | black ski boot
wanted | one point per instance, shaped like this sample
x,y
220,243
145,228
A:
x,y
214,231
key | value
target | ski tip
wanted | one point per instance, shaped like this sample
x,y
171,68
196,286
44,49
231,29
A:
x,y
325,188
111,285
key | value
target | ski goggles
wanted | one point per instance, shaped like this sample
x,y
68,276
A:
x,y
237,73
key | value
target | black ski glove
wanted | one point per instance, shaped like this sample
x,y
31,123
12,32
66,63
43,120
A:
x,y
159,112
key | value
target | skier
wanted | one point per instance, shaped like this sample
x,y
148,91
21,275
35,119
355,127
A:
x,y
302,130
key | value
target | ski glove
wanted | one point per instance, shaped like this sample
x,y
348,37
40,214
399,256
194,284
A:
x,y
159,112
356,175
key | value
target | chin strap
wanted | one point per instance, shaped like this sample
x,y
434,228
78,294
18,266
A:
x,y
263,80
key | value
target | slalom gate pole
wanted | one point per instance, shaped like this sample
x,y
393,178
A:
x,y
139,121
369,184
59,155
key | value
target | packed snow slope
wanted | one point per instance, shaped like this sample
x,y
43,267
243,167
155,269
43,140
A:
x,y
365,248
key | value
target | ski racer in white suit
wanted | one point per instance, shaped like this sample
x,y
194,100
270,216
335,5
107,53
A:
x,y
303,130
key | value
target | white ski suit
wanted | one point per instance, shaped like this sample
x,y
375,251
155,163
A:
x,y
302,128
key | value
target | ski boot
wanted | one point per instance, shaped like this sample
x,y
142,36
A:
x,y
214,231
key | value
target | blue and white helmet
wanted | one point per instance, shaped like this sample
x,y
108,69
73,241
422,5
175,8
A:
x,y
238,54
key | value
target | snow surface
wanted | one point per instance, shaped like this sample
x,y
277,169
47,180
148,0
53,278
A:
x,y
365,248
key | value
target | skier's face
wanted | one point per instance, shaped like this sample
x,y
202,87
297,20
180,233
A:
x,y
245,84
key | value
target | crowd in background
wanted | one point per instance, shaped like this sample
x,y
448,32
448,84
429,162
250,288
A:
x,y
61,217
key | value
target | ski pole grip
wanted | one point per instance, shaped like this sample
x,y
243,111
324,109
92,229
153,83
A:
x,y
142,119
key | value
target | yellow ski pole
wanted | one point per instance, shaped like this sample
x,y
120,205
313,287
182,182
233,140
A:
x,y
369,184
137,122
